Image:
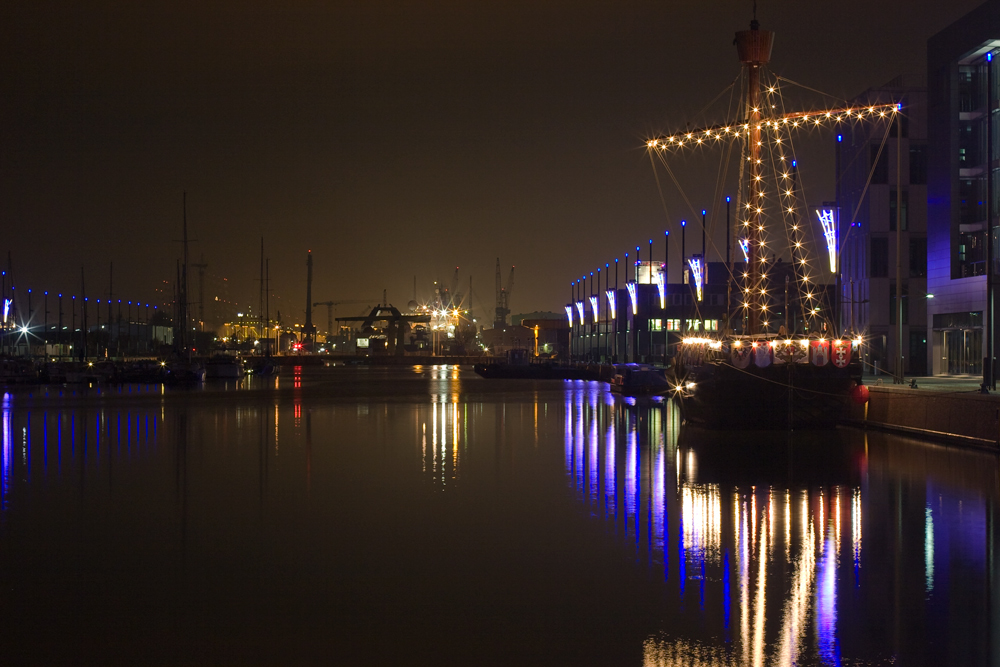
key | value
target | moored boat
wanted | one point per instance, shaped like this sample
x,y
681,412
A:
x,y
765,382
224,367
639,380
184,372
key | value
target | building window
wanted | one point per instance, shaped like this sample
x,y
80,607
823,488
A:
x,y
880,168
711,325
656,325
673,325
892,210
694,325
963,320
918,256
918,165
880,257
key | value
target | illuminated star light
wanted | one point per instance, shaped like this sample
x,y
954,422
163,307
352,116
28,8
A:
x,y
830,234
579,309
632,295
594,307
611,304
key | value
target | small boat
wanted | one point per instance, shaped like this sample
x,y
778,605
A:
x,y
18,371
143,371
184,372
639,380
224,367
261,366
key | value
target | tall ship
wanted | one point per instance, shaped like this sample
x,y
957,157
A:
x,y
769,366
766,342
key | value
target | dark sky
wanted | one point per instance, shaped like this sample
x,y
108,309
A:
x,y
392,139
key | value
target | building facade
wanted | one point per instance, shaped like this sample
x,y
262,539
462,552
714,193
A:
x,y
961,186
875,170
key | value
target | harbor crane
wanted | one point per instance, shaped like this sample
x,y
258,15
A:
x,y
503,299
331,305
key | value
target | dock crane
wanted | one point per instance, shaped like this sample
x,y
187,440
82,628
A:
x,y
330,305
503,299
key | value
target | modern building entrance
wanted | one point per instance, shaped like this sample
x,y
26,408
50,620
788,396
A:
x,y
958,343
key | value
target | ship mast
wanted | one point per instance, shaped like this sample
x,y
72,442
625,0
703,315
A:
x,y
754,49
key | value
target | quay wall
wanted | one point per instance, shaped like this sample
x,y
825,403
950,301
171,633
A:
x,y
964,418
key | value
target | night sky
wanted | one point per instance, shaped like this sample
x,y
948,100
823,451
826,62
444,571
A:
x,y
392,139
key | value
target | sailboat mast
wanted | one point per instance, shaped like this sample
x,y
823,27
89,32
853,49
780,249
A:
x,y
182,314
260,294
754,49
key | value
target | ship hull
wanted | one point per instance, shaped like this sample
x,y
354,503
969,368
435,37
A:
x,y
780,396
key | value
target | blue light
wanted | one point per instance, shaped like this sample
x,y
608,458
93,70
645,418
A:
x,y
684,223
727,200
840,138
666,233
703,211
795,163
989,57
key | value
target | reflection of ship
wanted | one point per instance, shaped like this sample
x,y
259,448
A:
x,y
791,365
737,549
518,364
639,380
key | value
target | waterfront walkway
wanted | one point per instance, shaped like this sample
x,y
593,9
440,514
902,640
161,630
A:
x,y
944,409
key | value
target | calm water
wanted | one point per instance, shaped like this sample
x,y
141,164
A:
x,y
418,516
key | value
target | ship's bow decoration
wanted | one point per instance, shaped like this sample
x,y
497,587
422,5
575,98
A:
x,y
761,355
841,353
790,352
820,352
740,355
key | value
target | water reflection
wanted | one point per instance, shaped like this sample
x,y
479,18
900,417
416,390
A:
x,y
428,504
782,562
